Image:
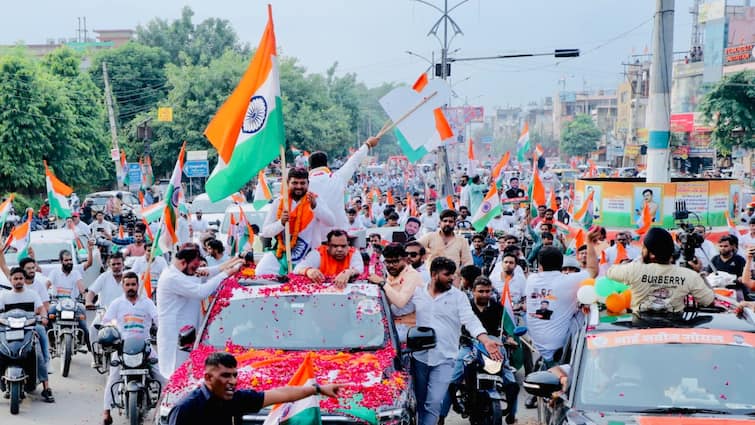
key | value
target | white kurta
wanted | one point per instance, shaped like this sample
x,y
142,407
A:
x,y
179,304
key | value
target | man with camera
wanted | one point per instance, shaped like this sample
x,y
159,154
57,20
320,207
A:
x,y
102,230
658,287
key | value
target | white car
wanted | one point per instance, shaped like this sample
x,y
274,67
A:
x,y
213,212
47,245
255,216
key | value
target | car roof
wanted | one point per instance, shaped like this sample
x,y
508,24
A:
x,y
720,321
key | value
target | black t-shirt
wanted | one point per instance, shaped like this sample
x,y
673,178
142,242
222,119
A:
x,y
515,193
735,265
490,317
200,407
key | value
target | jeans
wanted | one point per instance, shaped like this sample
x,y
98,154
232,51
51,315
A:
x,y
44,343
510,387
430,387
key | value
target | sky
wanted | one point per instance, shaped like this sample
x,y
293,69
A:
x,y
371,37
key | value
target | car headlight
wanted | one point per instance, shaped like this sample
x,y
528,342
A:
x,y
66,314
133,360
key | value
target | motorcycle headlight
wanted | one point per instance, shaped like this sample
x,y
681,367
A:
x,y
133,360
67,304
16,322
66,314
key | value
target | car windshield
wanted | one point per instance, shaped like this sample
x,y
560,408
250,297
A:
x,y
300,322
208,207
650,369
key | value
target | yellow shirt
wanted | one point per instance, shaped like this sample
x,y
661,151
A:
x,y
661,287
456,249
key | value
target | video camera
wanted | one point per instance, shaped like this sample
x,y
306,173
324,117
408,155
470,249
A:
x,y
688,238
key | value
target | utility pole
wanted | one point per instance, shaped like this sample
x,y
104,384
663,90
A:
x,y
111,116
659,99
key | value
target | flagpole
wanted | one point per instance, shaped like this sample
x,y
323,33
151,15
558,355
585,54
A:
x,y
284,193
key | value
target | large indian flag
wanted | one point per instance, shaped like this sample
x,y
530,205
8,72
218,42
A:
x,y
247,130
20,237
523,144
489,208
302,412
57,194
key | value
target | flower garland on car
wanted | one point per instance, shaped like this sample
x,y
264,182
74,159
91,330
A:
x,y
369,378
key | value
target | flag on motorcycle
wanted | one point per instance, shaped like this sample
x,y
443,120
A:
x,y
508,324
262,193
301,412
166,237
57,194
523,144
5,209
489,208
20,237
248,130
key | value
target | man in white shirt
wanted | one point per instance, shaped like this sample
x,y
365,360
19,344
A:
x,y
67,281
181,292
505,271
354,221
155,270
102,230
330,186
446,309
183,229
108,287
552,303
79,227
748,239
708,249
199,224
430,219
308,219
134,315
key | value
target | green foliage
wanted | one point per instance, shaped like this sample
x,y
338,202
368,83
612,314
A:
x,y
580,136
730,106
49,111
189,44
22,202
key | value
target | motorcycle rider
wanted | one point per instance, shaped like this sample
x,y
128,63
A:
x,y
138,247
134,315
22,298
102,230
108,287
68,282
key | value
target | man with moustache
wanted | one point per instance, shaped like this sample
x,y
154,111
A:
x,y
181,291
445,308
445,243
336,259
66,282
505,272
306,217
134,315
416,255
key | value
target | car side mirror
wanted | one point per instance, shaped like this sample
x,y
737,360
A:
x,y
420,338
186,338
542,384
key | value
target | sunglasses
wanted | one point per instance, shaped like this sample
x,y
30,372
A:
x,y
413,254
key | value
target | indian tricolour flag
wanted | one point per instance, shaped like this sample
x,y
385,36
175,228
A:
x,y
247,130
489,208
57,195
508,321
302,412
523,144
262,193
19,238
153,212
5,209
442,128
166,238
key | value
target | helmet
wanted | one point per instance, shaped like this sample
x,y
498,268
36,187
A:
x,y
109,337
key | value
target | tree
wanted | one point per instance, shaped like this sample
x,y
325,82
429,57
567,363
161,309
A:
x,y
580,136
730,107
189,44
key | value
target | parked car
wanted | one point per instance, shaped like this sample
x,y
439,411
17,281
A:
x,y
350,332
695,368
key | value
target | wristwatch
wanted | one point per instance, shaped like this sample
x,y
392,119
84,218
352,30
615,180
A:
x,y
317,388
381,284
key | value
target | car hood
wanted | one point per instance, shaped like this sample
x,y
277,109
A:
x,y
371,382
606,418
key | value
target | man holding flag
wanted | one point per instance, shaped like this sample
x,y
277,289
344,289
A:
x,y
217,401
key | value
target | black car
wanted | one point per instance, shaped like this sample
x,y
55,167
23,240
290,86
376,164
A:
x,y
627,371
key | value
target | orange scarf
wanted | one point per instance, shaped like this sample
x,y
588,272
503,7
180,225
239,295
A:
x,y
298,219
329,266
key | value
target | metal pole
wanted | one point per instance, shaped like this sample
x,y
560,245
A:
x,y
444,171
111,117
659,101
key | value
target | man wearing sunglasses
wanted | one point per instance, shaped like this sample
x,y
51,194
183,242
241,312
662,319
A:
x,y
417,256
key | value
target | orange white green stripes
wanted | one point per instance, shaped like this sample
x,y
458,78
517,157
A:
x,y
19,237
166,238
262,193
5,209
248,130
489,208
57,194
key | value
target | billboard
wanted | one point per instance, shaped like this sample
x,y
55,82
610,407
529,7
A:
x,y
713,50
742,28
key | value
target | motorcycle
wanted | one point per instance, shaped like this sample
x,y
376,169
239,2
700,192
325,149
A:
x,y
136,391
483,389
66,339
18,355
102,355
